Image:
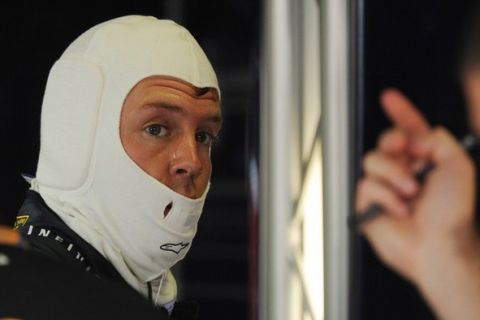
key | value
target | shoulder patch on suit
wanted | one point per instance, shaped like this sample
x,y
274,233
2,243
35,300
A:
x,y
21,221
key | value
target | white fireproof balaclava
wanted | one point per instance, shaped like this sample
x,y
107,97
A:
x,y
84,173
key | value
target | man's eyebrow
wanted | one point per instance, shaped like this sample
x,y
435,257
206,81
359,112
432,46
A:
x,y
217,118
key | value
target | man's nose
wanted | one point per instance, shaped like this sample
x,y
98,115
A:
x,y
185,161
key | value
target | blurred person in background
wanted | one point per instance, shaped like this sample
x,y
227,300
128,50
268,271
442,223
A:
x,y
427,231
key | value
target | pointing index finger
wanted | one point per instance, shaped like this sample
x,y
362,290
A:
x,y
403,113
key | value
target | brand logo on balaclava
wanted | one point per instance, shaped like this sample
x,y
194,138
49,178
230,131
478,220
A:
x,y
177,247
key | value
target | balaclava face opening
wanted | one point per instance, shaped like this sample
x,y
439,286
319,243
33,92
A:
x,y
84,173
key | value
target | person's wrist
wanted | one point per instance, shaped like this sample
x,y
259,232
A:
x,y
438,257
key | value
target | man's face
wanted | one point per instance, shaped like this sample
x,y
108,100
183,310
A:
x,y
167,128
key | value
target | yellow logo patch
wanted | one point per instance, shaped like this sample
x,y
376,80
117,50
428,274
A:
x,y
20,221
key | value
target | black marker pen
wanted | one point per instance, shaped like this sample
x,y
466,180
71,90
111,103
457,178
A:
x,y
356,220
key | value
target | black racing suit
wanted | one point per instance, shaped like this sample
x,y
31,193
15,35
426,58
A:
x,y
47,234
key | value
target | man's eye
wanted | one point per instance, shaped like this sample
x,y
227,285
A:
x,y
156,130
204,137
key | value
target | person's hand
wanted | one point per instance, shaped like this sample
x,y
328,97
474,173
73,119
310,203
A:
x,y
419,219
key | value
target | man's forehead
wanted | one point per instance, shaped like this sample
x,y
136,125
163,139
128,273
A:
x,y
178,84
173,95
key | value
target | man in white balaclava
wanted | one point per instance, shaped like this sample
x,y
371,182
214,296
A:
x,y
129,115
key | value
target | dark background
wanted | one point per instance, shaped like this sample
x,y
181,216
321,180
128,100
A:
x,y
33,35
414,46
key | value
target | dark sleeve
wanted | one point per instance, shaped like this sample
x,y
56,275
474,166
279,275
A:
x,y
35,287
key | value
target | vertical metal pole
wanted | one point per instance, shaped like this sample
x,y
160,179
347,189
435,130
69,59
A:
x,y
337,145
276,96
